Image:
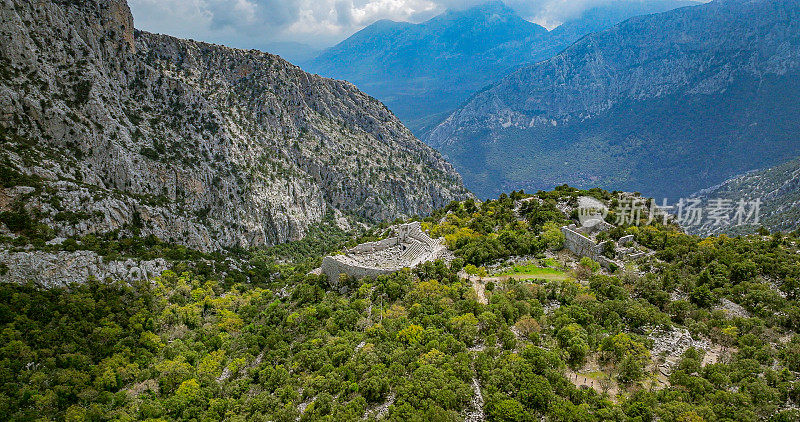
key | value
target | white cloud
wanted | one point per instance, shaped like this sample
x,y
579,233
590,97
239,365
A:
x,y
551,13
256,23
332,20
249,23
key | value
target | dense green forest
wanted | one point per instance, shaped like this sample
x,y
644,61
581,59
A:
x,y
269,341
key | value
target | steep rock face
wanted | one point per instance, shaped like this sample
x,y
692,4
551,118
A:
x,y
665,104
48,269
202,144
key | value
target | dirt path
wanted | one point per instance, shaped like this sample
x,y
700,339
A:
x,y
478,284
581,380
587,377
480,290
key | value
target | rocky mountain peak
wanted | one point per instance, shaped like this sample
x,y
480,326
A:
x,y
486,10
121,18
202,144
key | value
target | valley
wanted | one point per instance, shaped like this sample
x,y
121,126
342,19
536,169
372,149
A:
x,y
190,231
665,104
424,71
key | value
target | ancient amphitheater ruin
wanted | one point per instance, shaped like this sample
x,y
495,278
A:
x,y
409,247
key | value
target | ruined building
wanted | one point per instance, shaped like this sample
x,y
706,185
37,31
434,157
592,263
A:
x,y
581,240
409,247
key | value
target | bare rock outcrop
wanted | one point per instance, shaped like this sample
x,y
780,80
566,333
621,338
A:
x,y
202,144
48,269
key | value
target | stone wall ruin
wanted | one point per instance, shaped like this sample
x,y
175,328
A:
x,y
580,240
585,247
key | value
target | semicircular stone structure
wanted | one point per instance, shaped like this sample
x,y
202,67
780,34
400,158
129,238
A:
x,y
409,247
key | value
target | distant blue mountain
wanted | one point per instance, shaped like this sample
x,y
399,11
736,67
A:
x,y
665,104
424,71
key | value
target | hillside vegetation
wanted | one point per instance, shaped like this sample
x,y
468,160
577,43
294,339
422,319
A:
x,y
275,343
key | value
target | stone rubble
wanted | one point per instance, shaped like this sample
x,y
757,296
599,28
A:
x,y
672,345
732,310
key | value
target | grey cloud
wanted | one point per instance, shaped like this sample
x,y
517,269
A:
x,y
256,23
344,12
250,14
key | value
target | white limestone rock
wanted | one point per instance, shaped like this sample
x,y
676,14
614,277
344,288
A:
x,y
203,144
52,269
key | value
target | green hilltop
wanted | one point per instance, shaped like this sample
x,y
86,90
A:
x,y
254,335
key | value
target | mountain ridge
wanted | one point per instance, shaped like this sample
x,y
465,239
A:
x,y
424,71
202,144
584,114
777,189
407,65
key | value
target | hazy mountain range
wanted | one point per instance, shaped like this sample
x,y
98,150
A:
x,y
423,71
666,104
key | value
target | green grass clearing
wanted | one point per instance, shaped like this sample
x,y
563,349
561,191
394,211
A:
x,y
532,271
552,263
597,375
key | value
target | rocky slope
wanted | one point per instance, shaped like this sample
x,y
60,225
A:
x,y
424,71
778,189
52,269
665,104
107,128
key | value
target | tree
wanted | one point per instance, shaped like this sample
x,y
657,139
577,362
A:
x,y
411,334
528,327
702,296
552,236
173,373
465,328
573,339
508,410
586,268
630,369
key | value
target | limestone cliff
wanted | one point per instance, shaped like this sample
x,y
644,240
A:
x,y
202,144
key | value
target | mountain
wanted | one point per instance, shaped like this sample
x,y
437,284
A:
x,y
665,104
422,72
106,128
607,14
778,190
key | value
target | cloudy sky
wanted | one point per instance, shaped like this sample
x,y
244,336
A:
x,y
319,23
